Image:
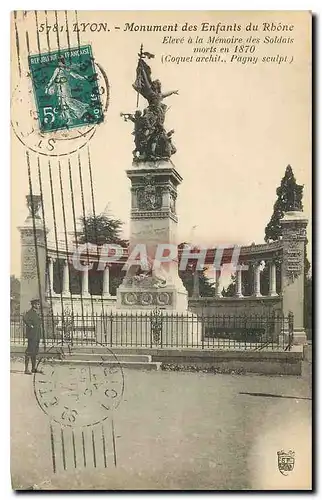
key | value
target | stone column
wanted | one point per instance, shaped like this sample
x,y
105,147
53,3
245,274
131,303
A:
x,y
66,278
196,291
293,274
85,283
217,283
106,281
272,279
257,280
50,276
239,292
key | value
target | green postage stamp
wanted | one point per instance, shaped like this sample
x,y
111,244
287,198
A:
x,y
65,87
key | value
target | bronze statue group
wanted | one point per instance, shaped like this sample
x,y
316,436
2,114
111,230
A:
x,y
152,141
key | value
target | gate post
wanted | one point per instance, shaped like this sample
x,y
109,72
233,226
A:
x,y
294,226
33,255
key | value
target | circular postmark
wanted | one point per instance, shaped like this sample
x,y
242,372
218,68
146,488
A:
x,y
35,126
79,395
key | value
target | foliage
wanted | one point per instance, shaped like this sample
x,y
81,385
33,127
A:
x,y
230,291
206,288
289,197
100,229
247,284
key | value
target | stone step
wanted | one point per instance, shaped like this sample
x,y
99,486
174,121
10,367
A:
x,y
125,364
136,358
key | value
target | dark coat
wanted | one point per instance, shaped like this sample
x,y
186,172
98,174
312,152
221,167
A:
x,y
33,325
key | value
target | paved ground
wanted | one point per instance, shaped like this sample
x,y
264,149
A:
x,y
179,431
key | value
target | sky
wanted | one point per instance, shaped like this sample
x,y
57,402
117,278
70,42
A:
x,y
237,126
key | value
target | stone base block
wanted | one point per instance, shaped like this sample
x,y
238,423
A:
x,y
299,337
168,298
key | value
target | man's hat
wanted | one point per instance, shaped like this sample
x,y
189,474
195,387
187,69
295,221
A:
x,y
34,300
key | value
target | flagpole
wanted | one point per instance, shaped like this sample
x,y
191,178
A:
x,y
140,57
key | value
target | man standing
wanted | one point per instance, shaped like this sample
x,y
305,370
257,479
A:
x,y
33,333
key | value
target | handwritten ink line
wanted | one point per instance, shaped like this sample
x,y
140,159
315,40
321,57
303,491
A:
x,y
95,229
63,447
114,447
85,222
57,32
57,246
27,42
94,451
78,38
35,243
84,452
65,229
75,233
104,447
74,448
37,31
17,41
67,33
53,457
47,31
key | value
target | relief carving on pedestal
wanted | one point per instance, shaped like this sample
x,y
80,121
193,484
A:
x,y
149,196
147,298
29,267
294,260
173,203
295,233
145,280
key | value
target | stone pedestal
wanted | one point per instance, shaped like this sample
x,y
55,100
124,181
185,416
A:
x,y
33,251
151,284
293,274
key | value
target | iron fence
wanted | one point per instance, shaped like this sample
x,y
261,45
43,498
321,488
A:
x,y
159,329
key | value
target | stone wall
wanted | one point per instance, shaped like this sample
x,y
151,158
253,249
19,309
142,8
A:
x,y
235,306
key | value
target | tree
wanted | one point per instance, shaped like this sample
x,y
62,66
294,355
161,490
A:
x,y
14,295
247,284
230,291
100,229
206,288
289,197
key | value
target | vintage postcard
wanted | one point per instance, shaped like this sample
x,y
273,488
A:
x,y
161,250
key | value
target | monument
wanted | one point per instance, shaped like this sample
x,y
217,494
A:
x,y
150,284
